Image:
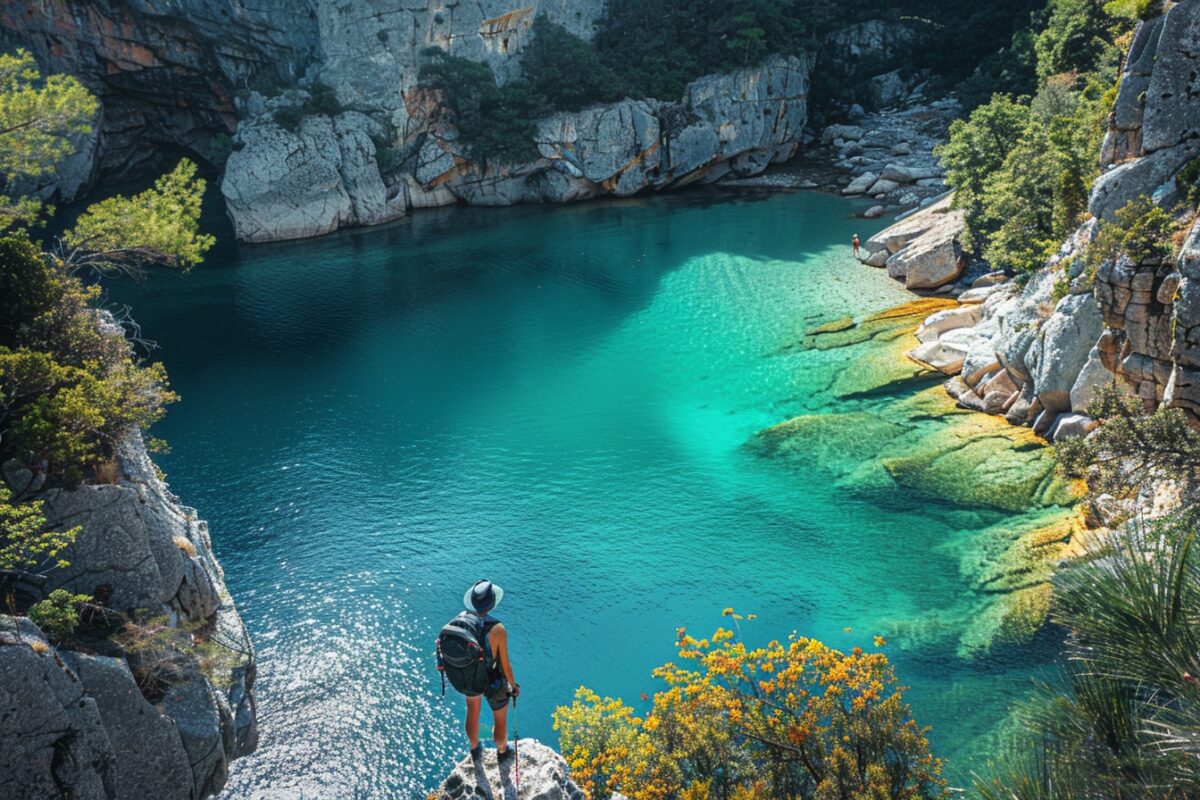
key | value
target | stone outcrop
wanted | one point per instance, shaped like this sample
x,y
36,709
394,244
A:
x,y
1017,351
1155,123
543,775
76,724
923,249
286,185
1152,310
281,185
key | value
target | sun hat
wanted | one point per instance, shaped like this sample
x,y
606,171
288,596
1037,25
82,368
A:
x,y
483,596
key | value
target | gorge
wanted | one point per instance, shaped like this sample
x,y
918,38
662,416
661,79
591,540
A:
x,y
636,413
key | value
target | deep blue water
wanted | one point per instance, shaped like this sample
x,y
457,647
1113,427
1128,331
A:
x,y
558,399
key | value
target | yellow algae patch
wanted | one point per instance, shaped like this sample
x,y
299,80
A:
x,y
919,309
833,326
883,370
890,323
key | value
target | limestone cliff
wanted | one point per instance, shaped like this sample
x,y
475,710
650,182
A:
x,y
169,73
281,184
77,723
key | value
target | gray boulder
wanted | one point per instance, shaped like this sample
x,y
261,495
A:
x,y
861,184
285,185
1060,354
1143,176
52,740
934,258
1092,378
617,143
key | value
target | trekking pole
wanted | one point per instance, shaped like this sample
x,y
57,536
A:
x,y
516,747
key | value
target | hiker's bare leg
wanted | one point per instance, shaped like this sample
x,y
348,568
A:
x,y
473,706
500,728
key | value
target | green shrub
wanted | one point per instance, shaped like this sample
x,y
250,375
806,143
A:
x,y
322,99
496,123
1122,719
289,117
162,655
69,386
1188,181
58,614
1132,447
1139,231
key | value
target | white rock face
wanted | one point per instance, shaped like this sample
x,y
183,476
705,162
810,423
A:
x,y
1058,357
924,248
281,185
284,185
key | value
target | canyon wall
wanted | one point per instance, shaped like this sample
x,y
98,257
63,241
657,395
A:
x,y
282,184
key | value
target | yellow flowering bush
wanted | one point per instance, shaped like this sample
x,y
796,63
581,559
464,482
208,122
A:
x,y
794,719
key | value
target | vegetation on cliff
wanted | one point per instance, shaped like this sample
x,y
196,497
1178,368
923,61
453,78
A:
x,y
654,49
1021,165
791,719
72,385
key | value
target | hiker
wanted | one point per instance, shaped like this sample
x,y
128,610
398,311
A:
x,y
473,656
854,244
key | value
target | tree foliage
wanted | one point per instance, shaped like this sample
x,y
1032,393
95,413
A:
x,y
26,543
70,388
1132,446
38,118
792,719
160,225
1022,167
1124,719
495,123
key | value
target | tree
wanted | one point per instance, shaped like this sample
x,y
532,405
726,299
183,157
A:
x,y
1132,447
977,148
1076,38
38,118
1124,718
158,226
25,541
792,719
564,71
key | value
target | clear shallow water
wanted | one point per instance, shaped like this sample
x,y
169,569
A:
x,y
559,399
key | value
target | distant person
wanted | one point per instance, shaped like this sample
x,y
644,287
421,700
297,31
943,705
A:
x,y
854,244
472,654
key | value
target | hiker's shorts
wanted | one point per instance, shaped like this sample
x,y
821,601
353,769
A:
x,y
497,695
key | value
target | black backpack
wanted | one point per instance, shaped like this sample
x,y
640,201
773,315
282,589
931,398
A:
x,y
463,655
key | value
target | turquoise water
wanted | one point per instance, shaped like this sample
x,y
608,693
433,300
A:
x,y
558,399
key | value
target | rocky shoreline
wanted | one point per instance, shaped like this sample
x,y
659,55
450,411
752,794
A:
x,y
77,723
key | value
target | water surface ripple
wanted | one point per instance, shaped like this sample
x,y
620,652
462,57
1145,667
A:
x,y
558,399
